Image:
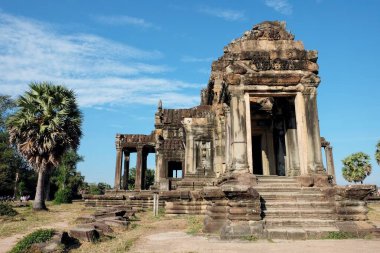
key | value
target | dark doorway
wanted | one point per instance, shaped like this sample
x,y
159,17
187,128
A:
x,y
174,169
257,161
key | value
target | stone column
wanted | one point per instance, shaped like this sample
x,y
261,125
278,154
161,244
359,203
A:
x,y
143,169
228,138
119,141
190,154
314,158
292,157
239,133
301,132
138,168
126,169
119,157
249,131
330,162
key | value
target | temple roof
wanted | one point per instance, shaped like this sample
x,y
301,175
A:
x,y
268,30
175,116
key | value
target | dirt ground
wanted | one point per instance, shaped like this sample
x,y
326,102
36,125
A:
x,y
168,234
59,217
182,242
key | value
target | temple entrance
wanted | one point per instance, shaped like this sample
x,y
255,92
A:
x,y
256,153
273,136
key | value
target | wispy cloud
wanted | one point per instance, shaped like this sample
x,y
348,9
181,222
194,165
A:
x,y
196,59
120,20
101,71
226,14
282,6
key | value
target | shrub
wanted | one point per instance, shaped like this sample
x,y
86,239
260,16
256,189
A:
x,y
41,235
63,196
7,210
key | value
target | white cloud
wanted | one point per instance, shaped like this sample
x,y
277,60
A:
x,y
226,14
101,71
120,20
282,6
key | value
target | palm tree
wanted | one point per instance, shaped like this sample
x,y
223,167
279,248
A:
x,y
356,167
46,124
377,153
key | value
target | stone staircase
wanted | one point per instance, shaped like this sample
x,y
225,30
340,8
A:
x,y
293,212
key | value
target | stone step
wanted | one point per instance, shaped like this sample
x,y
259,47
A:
x,y
298,233
301,213
281,197
289,189
275,179
296,204
275,185
299,223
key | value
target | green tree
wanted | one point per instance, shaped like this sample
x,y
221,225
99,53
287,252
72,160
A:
x,y
96,189
6,107
377,153
149,179
356,167
46,124
11,163
66,178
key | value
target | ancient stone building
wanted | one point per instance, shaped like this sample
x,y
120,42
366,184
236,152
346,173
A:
x,y
249,156
258,114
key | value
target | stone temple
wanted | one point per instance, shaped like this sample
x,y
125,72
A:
x,y
249,157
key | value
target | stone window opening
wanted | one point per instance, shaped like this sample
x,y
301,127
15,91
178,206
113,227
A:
x,y
175,169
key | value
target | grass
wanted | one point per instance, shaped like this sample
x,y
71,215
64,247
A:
x,y
7,210
27,220
339,235
250,238
374,211
41,235
195,225
144,224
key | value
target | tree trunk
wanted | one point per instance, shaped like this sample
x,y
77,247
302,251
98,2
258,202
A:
x,y
39,199
47,186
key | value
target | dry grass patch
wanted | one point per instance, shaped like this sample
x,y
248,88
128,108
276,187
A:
x,y
28,220
145,224
374,211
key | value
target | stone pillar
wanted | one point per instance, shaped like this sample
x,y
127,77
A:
x,y
119,141
330,162
301,132
271,170
314,158
239,133
126,169
228,138
143,169
139,164
292,153
190,154
119,157
249,131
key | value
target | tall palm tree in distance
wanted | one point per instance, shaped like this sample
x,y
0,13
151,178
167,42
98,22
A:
x,y
46,124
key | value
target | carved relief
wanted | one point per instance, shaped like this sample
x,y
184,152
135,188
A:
x,y
203,156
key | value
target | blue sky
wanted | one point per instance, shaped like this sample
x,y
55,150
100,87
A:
x,y
122,56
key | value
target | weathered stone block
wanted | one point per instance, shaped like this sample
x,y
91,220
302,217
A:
x,y
85,219
305,181
210,193
238,210
84,234
321,181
